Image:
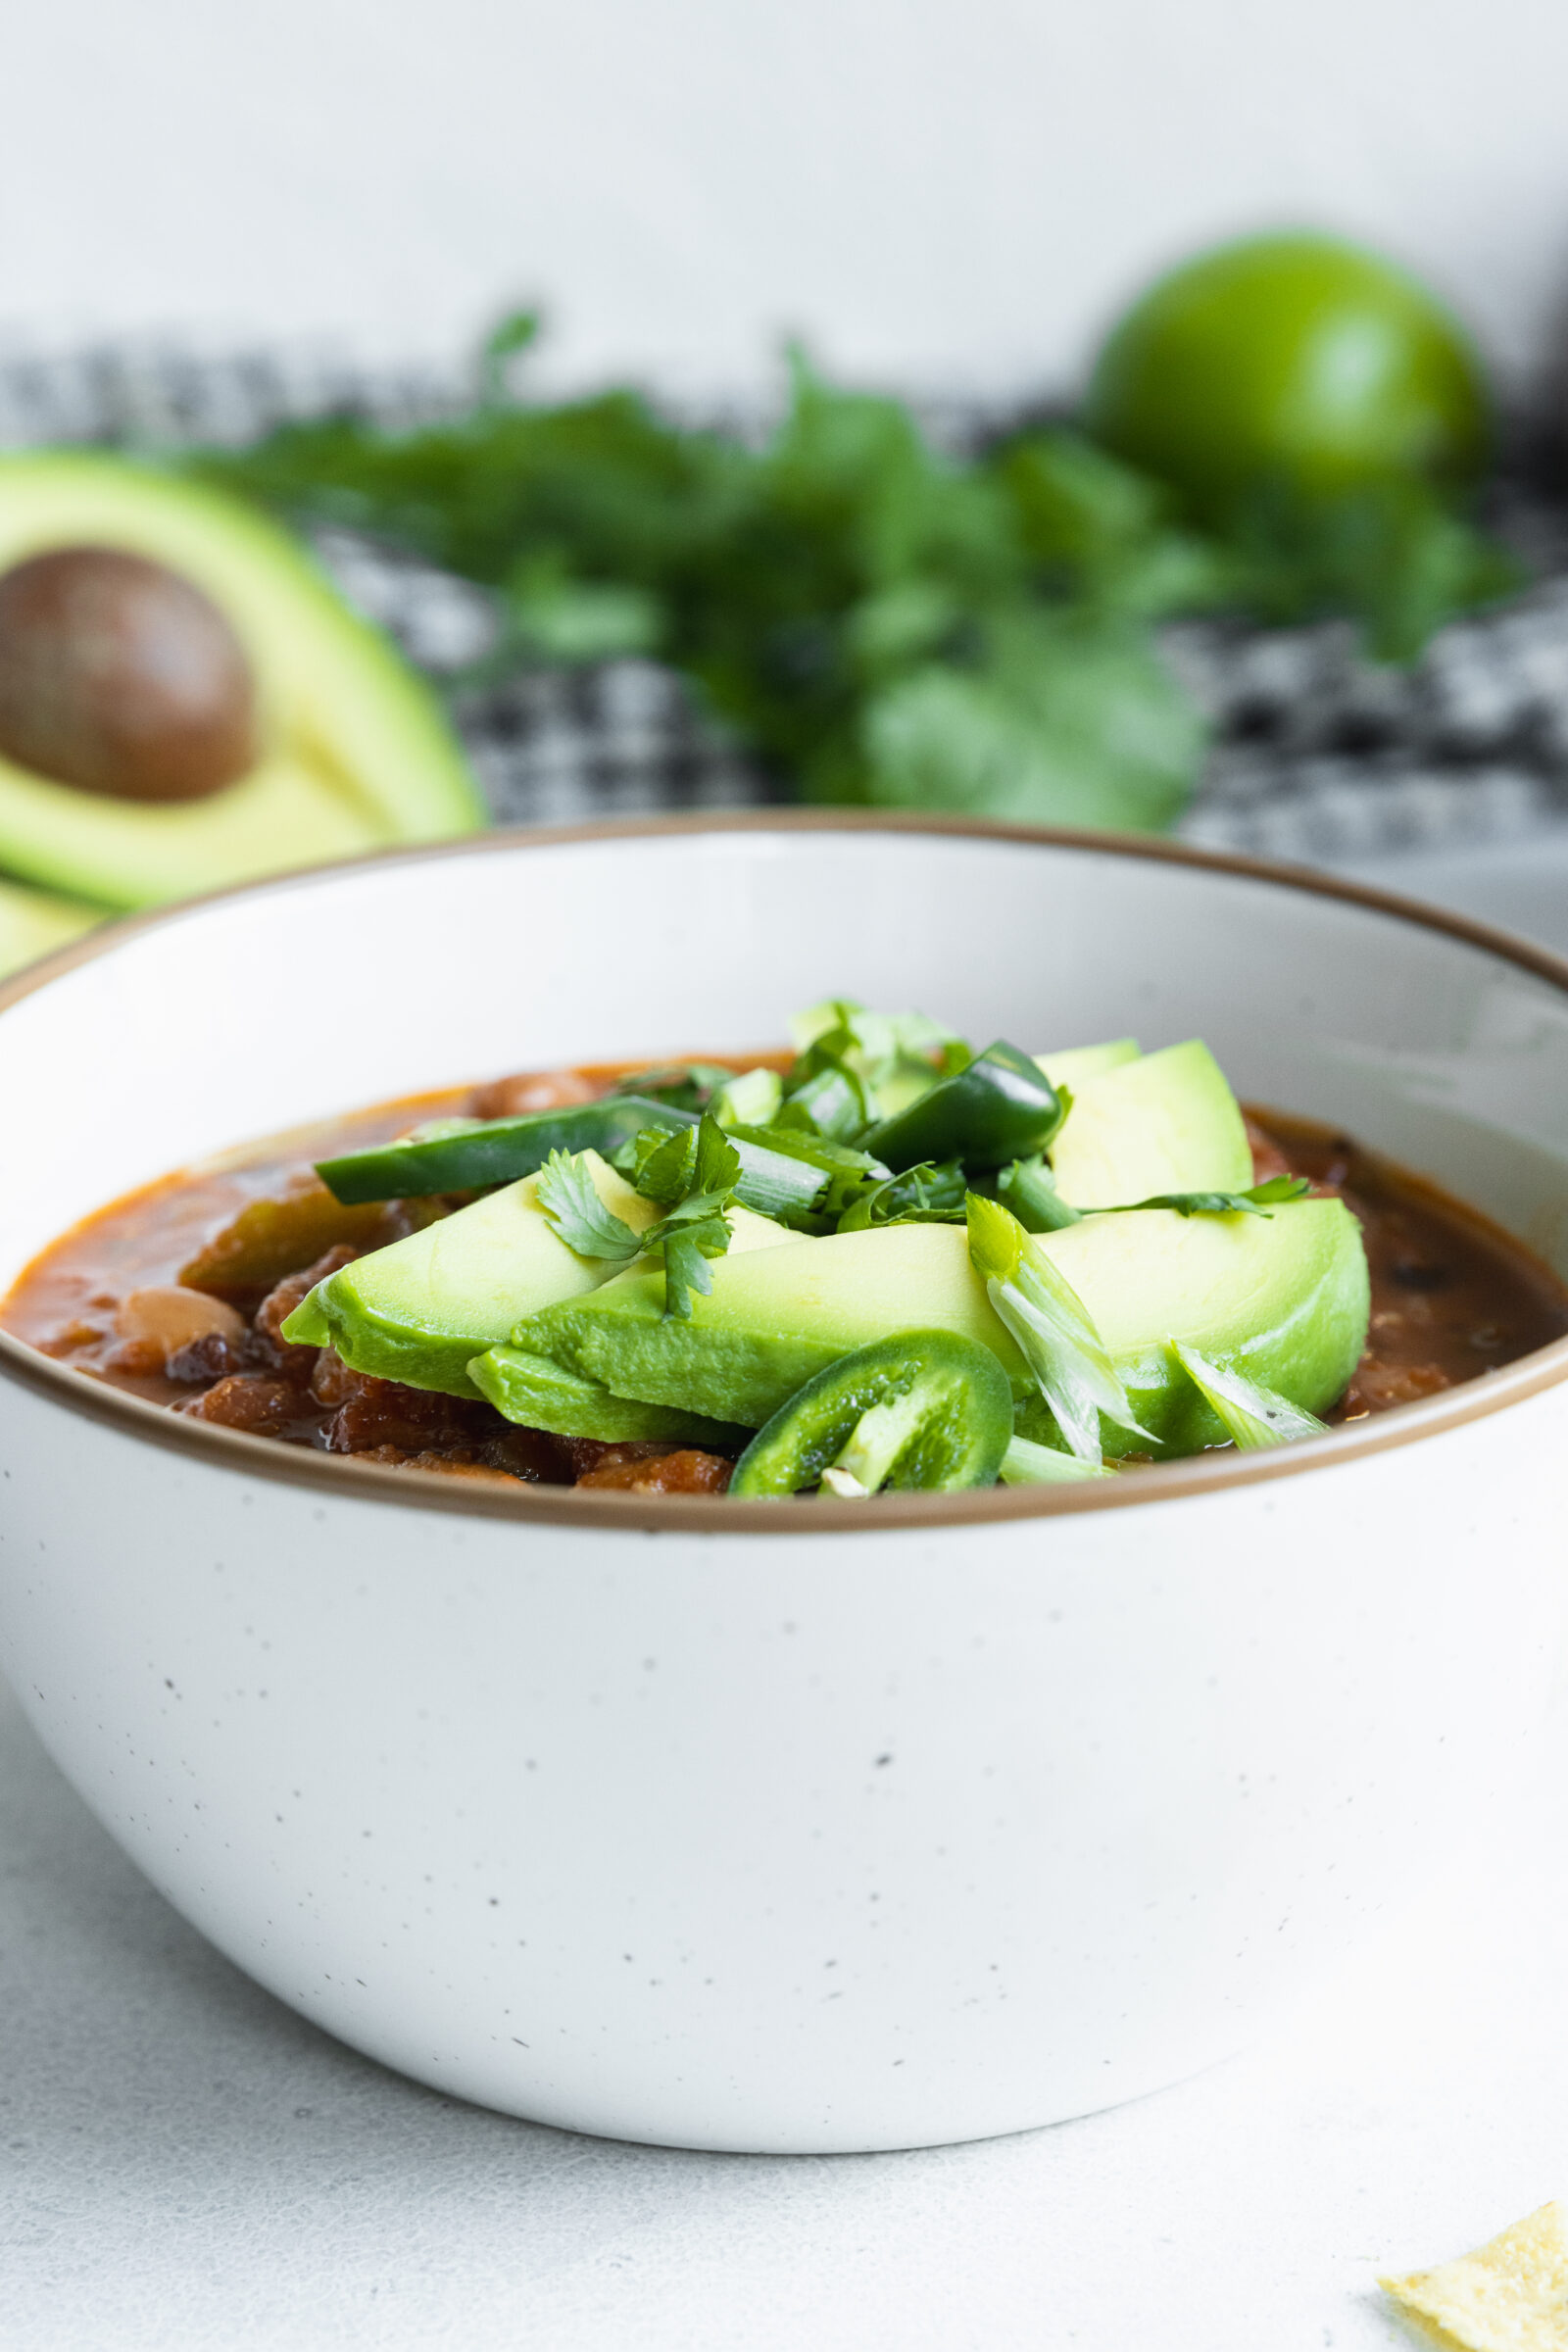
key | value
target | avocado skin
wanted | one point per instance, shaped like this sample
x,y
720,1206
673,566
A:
x,y
1284,1300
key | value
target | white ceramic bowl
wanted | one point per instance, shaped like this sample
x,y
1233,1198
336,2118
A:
x,y
780,1825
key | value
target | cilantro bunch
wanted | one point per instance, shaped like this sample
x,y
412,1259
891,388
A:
x,y
881,622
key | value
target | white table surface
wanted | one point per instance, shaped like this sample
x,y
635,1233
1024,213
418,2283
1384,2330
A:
x,y
185,2165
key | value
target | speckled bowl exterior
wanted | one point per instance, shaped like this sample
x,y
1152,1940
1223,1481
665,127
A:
x,y
801,1826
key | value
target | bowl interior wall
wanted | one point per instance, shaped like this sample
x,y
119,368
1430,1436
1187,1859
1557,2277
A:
x,y
280,1006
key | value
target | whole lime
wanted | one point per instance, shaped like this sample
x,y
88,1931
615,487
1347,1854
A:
x,y
1297,360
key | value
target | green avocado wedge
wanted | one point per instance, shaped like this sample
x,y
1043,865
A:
x,y
1164,1122
422,1309
1282,1299
356,755
773,1320
537,1393
1075,1065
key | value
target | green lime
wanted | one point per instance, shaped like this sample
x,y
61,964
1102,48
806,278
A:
x,y
1298,362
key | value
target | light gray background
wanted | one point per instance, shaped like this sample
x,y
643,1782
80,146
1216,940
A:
x,y
956,194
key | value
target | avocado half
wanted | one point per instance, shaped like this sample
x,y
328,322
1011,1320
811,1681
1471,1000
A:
x,y
356,753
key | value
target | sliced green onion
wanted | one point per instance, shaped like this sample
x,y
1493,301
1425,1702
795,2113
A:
x,y
749,1101
1253,1415
842,1175
1026,1464
1053,1326
1029,1189
831,1100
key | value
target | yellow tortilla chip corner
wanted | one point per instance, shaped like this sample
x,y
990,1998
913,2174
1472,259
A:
x,y
1511,2296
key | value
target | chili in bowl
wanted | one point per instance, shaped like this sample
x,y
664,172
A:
x,y
812,1595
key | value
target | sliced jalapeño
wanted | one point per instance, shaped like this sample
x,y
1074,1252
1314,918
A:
x,y
924,1409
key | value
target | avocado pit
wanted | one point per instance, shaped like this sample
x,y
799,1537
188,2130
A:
x,y
118,677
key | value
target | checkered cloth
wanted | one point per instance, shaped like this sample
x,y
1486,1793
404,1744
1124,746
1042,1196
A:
x,y
1317,755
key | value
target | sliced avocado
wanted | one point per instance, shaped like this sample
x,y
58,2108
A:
x,y
1075,1065
1282,1297
422,1308
773,1320
1283,1300
35,923
537,1393
747,1230
1166,1123
355,753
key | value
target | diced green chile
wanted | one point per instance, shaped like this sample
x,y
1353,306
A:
x,y
498,1151
1002,1108
925,1409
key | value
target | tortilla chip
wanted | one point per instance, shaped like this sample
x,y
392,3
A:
x,y
1511,2296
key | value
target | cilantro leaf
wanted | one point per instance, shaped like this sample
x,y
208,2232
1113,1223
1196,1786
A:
x,y
686,1244
517,332
1065,719
1394,554
877,618
1102,530
695,1173
661,1165
898,1055
931,1194
1259,1200
566,1192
